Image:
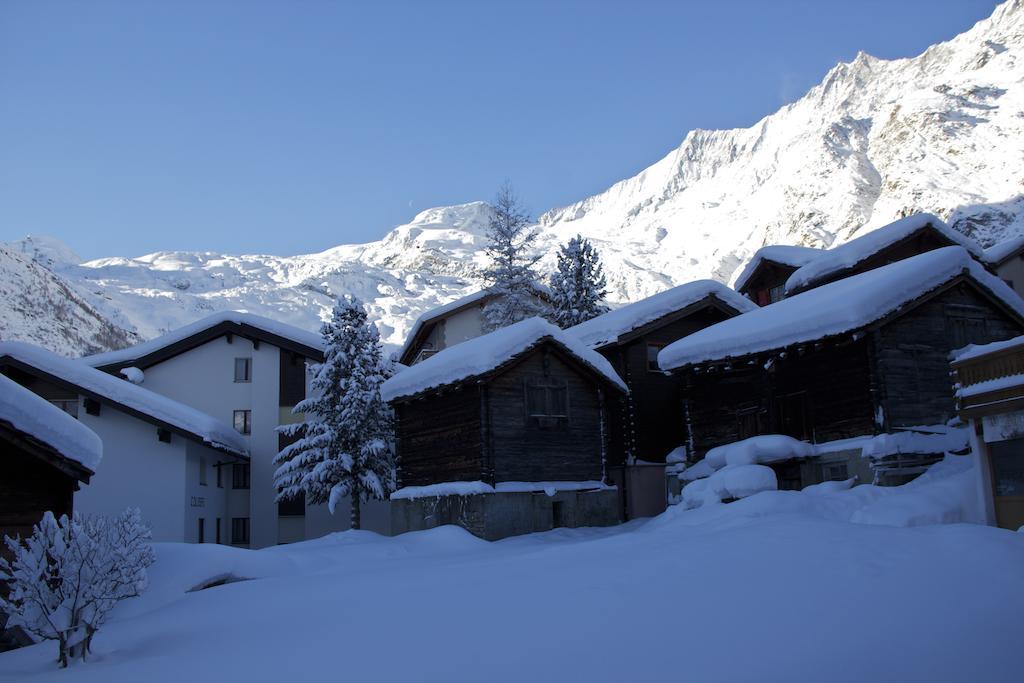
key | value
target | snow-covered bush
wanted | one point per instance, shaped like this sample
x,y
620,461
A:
x,y
343,447
67,576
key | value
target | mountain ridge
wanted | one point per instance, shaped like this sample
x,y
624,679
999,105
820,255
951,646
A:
x,y
875,140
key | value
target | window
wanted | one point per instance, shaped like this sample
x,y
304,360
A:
x,y
761,298
202,530
163,435
834,471
220,476
557,514
652,357
240,475
243,421
1007,468
547,402
748,422
292,507
243,369
217,530
202,471
92,406
240,530
69,406
967,325
776,293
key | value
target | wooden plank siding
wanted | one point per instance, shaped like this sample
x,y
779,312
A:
x,y
654,408
439,438
913,353
526,451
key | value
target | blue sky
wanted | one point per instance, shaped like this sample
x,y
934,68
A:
x,y
290,127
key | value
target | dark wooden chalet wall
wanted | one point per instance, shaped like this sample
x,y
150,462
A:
x,y
28,488
524,451
439,438
659,423
769,274
482,431
822,395
903,367
913,353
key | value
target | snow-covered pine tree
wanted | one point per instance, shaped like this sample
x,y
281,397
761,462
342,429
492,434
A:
x,y
510,274
578,286
343,446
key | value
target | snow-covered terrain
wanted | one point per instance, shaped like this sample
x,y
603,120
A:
x,y
820,585
876,140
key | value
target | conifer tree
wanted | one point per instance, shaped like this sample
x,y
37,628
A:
x,y
343,446
578,285
511,272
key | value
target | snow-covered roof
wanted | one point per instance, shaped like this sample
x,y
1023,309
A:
x,y
1001,251
788,255
839,307
975,350
848,255
608,328
125,395
438,313
272,328
485,353
45,422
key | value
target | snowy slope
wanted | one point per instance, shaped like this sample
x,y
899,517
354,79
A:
x,y
876,140
38,306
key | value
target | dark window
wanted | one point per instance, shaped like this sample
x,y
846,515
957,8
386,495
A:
x,y
92,406
776,293
243,369
202,471
164,435
547,402
834,471
240,475
240,530
220,475
202,530
243,421
1007,468
965,328
69,406
652,357
292,507
791,415
218,530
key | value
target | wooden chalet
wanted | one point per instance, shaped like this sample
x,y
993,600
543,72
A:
x,y
46,454
862,356
763,279
523,404
890,243
990,398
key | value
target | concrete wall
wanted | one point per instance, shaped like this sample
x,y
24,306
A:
x,y
463,326
138,470
493,516
208,502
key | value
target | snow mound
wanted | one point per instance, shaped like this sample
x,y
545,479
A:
x,y
608,328
34,415
975,350
758,450
485,353
848,255
730,482
837,308
121,392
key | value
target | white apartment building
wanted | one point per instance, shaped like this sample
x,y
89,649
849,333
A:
x,y
159,455
249,371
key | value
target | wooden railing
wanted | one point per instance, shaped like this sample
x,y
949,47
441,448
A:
x,y
1004,362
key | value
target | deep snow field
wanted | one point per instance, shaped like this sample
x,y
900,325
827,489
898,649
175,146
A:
x,y
821,585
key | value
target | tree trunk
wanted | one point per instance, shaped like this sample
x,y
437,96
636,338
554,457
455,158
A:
x,y
354,523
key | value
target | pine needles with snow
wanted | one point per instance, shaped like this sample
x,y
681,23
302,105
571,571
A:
x,y
578,286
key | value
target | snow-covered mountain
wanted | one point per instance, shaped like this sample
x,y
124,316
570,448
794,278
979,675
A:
x,y
876,140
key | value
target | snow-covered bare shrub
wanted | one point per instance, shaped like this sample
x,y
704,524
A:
x,y
67,576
